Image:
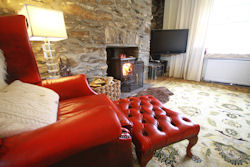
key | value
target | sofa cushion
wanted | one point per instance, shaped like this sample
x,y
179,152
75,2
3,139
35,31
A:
x,y
2,71
26,107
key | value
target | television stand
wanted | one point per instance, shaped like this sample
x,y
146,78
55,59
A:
x,y
155,69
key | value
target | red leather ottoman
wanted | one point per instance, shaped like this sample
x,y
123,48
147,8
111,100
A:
x,y
155,126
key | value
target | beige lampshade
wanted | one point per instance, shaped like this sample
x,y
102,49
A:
x,y
44,23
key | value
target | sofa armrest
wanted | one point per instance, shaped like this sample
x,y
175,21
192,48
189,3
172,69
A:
x,y
47,145
69,87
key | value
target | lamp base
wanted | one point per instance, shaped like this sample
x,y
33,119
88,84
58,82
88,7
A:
x,y
51,62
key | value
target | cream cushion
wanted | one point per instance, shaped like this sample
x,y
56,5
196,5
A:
x,y
25,107
2,71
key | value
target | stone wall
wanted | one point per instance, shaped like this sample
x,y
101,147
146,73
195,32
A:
x,y
91,26
157,12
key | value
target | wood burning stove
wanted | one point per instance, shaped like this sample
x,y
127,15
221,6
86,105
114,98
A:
x,y
128,70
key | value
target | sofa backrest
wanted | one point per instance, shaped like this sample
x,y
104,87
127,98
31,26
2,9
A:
x,y
15,44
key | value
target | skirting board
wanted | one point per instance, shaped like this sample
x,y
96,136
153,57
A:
x,y
232,71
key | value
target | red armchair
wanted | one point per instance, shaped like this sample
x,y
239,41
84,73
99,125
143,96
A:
x,y
90,128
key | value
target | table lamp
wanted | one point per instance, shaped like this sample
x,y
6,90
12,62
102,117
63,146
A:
x,y
45,25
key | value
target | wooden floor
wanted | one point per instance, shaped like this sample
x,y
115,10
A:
x,y
155,81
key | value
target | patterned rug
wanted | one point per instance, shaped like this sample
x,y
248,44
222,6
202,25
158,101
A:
x,y
223,114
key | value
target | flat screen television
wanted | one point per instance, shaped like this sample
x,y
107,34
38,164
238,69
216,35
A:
x,y
168,41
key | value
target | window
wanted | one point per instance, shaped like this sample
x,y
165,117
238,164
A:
x,y
229,27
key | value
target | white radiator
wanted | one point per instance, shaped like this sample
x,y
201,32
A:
x,y
233,71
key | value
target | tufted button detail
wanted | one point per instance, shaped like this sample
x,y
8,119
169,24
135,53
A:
x,y
145,133
155,126
173,123
185,119
159,128
167,114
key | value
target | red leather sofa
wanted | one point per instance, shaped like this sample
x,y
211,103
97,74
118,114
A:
x,y
90,131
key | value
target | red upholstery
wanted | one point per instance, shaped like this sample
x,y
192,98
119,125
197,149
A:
x,y
77,86
109,154
155,126
18,53
88,131
73,86
80,104
52,143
